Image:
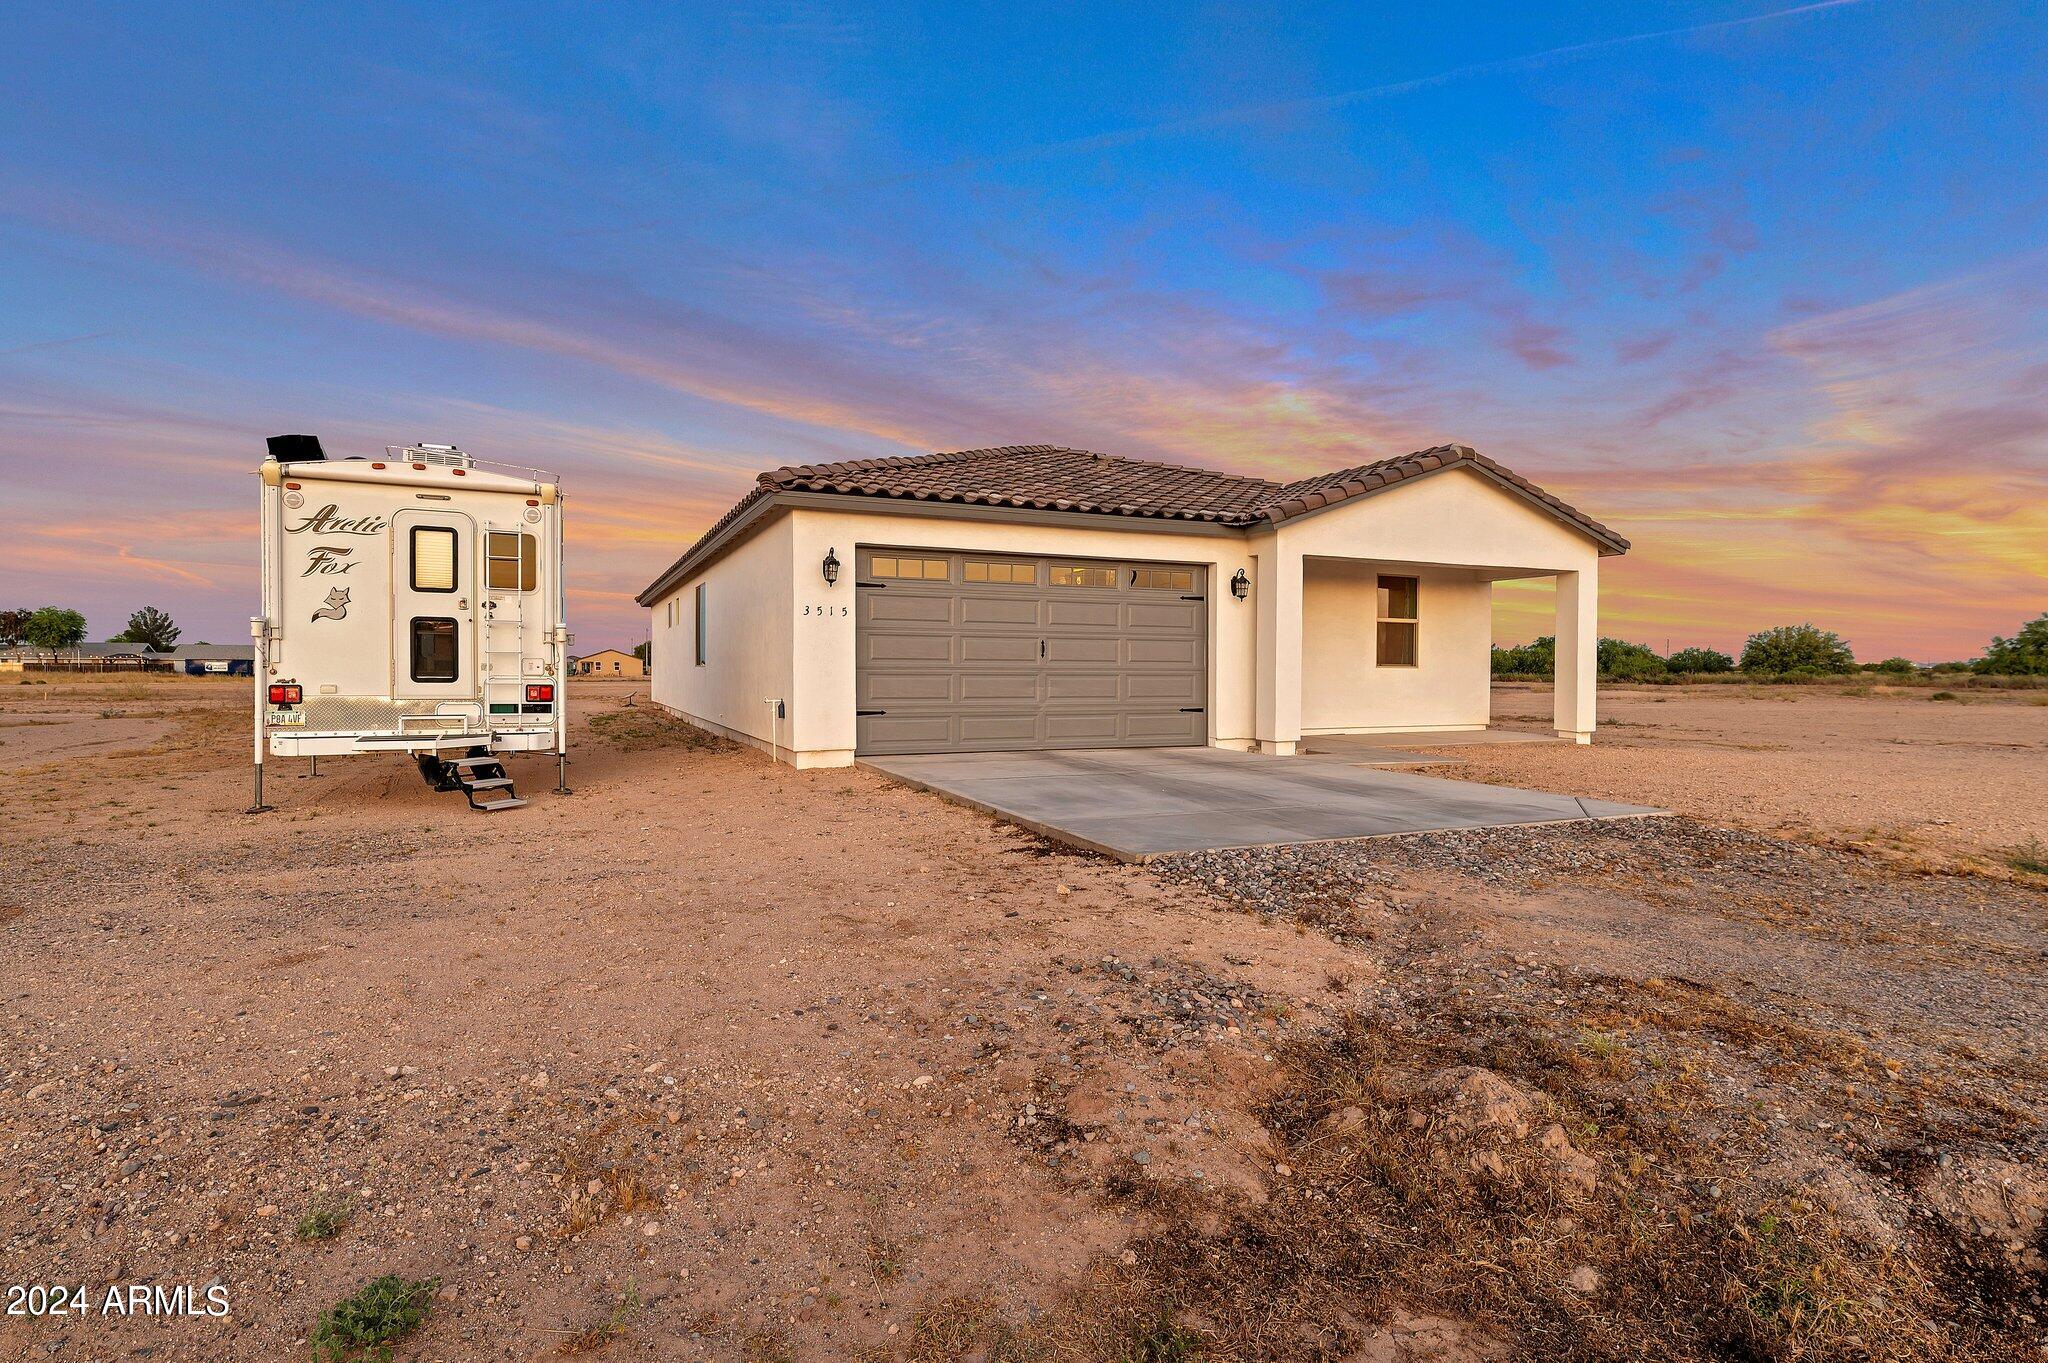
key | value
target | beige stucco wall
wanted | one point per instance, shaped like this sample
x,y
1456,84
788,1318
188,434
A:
x,y
1345,690
1281,663
748,653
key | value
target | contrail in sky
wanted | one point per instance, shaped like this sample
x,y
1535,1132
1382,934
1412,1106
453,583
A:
x,y
1246,113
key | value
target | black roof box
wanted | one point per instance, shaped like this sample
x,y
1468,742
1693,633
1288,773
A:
x,y
296,449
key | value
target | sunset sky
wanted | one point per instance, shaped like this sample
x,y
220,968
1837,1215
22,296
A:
x,y
1764,288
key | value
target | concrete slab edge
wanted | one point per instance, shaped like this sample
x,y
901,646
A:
x,y
1044,830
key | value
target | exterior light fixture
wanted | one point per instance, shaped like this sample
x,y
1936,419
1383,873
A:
x,y
831,567
1240,585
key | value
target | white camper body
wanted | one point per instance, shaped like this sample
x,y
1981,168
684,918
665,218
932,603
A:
x,y
411,604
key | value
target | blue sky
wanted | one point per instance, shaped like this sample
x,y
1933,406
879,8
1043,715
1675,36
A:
x,y
1761,286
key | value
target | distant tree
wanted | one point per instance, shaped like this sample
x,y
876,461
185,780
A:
x,y
1620,658
1897,667
641,650
2023,655
1700,660
1536,658
54,627
151,626
14,627
1802,649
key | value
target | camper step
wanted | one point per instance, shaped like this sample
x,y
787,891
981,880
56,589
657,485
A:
x,y
489,783
509,802
468,762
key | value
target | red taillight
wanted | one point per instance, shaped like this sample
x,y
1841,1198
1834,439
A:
x,y
546,692
286,695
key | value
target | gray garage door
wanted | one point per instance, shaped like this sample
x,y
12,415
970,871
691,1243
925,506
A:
x,y
965,652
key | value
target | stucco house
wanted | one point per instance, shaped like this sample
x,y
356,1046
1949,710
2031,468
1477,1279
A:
x,y
1033,596
606,662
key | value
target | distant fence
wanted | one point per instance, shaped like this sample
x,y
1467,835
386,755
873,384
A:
x,y
120,662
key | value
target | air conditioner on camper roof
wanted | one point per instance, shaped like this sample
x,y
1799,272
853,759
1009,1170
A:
x,y
431,454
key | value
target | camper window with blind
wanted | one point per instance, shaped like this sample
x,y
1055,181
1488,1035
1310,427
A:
x,y
433,559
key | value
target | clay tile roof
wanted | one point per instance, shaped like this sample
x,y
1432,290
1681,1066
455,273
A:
x,y
1054,477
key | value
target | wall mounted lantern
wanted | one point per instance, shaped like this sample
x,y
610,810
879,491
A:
x,y
1240,585
831,567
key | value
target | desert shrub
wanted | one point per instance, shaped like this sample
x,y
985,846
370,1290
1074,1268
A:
x,y
364,1325
1896,667
1797,650
1535,658
1943,695
1620,658
2023,655
2030,856
324,1219
1703,660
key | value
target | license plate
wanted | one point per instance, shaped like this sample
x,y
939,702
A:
x,y
276,717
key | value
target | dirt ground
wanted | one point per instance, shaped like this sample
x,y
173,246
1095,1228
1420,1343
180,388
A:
x,y
715,1059
1956,782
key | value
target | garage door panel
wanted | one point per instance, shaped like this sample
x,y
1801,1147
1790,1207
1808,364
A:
x,y
1018,729
906,648
1162,652
887,604
1098,726
1154,727
1003,610
887,732
1068,612
994,686
999,648
1083,686
1094,650
1164,687
888,687
1180,615
945,664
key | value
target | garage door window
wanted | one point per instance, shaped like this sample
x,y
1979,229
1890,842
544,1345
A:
x,y
928,569
1163,579
1076,575
976,570
1397,622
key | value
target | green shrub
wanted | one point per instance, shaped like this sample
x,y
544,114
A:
x,y
1536,658
1893,667
1620,658
2030,856
1700,660
363,1326
2023,655
323,1220
1797,650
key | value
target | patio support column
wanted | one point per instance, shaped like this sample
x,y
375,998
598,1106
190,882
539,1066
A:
x,y
1578,661
1277,578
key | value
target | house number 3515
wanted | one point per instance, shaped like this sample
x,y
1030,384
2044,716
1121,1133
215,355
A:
x,y
827,610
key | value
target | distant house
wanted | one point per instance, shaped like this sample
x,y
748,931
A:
x,y
607,662
198,660
106,657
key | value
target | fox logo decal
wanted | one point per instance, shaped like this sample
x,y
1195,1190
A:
x,y
336,607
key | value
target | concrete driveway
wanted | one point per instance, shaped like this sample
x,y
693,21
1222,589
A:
x,y
1138,803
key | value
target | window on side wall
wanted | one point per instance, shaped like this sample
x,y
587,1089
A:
x,y
703,634
511,564
1398,621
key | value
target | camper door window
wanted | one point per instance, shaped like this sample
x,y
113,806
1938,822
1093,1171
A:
x,y
433,650
433,559
511,561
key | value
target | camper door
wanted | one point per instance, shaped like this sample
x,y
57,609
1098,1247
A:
x,y
433,597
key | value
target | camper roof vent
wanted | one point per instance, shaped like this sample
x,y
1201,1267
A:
x,y
432,454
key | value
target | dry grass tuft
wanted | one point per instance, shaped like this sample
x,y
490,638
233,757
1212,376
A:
x,y
635,728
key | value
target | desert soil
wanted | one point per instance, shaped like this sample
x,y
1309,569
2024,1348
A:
x,y
715,1059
